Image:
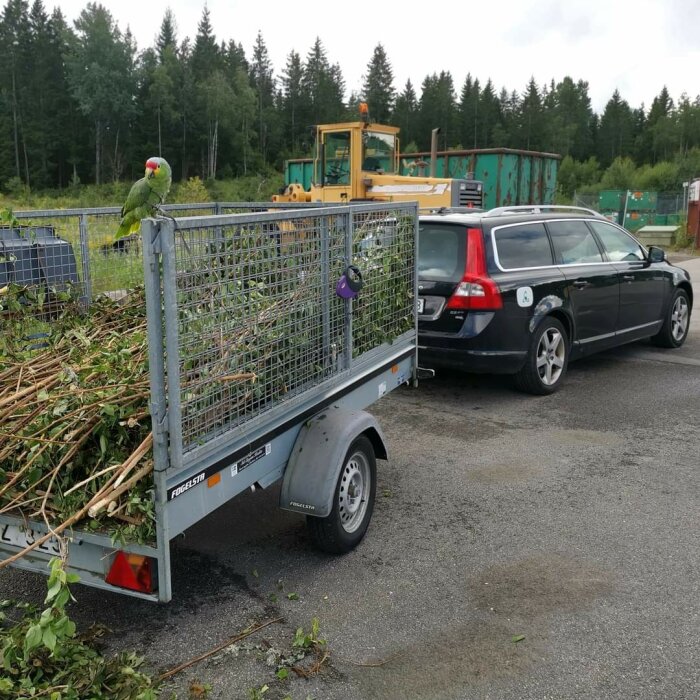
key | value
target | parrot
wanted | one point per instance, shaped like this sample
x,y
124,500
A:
x,y
145,196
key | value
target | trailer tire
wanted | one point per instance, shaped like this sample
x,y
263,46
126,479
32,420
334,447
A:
x,y
353,501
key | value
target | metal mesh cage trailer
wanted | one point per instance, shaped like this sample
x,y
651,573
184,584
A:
x,y
249,342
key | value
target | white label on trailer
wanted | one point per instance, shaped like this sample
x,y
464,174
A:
x,y
525,297
249,459
382,389
17,537
185,486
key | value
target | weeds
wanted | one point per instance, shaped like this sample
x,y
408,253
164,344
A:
x,y
43,656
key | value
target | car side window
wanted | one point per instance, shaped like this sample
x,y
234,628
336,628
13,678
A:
x,y
573,243
618,245
523,245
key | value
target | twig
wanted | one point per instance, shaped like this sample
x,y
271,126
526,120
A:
x,y
369,664
217,648
304,673
133,460
238,377
91,478
105,500
58,529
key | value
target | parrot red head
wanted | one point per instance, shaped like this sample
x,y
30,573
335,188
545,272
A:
x,y
152,166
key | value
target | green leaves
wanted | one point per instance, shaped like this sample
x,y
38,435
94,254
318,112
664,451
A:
x,y
41,656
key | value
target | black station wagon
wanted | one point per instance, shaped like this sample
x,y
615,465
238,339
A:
x,y
524,290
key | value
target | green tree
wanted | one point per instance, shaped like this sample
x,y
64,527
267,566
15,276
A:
x,y
437,109
616,130
290,103
406,113
656,135
378,86
219,104
242,119
569,113
15,35
101,76
167,37
322,88
468,112
619,175
263,82
530,120
488,116
574,175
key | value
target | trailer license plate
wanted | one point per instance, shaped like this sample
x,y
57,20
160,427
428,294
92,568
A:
x,y
20,538
420,305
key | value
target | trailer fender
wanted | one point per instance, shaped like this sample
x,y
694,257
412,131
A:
x,y
317,457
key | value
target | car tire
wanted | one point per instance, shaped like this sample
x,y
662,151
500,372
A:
x,y
353,502
676,323
547,359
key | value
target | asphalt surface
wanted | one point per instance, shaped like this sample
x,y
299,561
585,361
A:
x,y
572,521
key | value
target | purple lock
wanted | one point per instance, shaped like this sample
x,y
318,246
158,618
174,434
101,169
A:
x,y
350,283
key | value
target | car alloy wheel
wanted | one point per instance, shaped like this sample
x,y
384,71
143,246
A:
x,y
551,356
679,318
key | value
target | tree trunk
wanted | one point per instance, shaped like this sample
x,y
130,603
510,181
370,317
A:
x,y
116,165
98,150
160,146
184,150
14,118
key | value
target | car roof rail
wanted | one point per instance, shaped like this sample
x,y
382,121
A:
x,y
451,210
540,209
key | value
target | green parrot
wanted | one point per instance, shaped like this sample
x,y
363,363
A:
x,y
145,196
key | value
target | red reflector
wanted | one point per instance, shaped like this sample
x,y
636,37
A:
x,y
476,291
131,571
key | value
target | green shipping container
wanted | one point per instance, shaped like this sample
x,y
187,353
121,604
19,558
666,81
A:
x,y
634,220
611,200
641,201
510,176
299,171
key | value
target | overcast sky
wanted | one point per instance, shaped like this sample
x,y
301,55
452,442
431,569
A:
x,y
636,46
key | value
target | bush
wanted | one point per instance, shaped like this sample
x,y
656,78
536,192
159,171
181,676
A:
x,y
189,192
43,657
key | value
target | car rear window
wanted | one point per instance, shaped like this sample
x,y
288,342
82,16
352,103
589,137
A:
x,y
573,243
441,251
522,245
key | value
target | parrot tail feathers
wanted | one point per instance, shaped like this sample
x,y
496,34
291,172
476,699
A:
x,y
126,228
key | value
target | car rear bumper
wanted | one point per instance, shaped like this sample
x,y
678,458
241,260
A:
x,y
468,360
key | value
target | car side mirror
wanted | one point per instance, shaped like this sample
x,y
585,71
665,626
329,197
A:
x,y
656,254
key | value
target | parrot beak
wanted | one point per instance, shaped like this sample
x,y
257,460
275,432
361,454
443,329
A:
x,y
149,172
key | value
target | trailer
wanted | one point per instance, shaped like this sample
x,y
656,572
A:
x,y
341,283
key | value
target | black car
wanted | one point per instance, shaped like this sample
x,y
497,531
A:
x,y
524,290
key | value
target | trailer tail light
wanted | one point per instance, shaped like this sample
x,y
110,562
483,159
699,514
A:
x,y
477,291
132,571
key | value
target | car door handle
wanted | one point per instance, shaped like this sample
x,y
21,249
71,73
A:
x,y
628,278
581,284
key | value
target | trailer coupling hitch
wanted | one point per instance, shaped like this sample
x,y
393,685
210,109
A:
x,y
350,283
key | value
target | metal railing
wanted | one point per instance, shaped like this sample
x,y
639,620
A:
x,y
63,254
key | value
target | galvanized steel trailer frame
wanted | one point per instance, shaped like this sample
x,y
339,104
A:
x,y
205,456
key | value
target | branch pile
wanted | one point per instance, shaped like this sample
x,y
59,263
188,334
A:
x,y
75,440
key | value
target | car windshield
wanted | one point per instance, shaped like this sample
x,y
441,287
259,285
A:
x,y
441,251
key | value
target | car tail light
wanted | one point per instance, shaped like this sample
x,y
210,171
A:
x,y
132,571
477,291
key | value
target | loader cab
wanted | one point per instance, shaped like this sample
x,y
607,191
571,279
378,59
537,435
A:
x,y
348,155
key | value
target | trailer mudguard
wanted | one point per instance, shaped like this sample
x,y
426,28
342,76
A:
x,y
317,457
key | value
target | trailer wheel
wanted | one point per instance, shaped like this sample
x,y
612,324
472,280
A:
x,y
353,502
